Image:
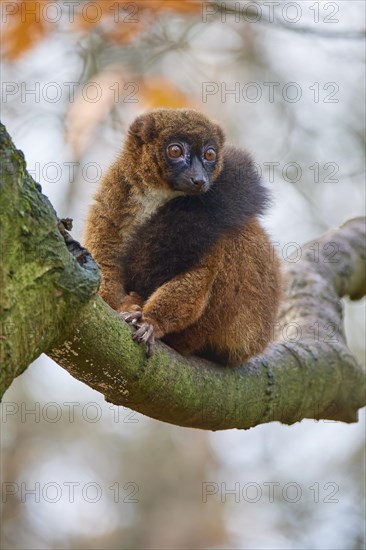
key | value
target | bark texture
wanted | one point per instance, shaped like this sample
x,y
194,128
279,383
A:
x,y
42,285
49,303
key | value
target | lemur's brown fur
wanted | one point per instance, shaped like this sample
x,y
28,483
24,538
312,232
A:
x,y
221,301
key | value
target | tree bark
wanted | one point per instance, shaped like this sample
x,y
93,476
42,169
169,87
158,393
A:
x,y
49,303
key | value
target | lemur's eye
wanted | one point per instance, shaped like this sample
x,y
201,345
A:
x,y
210,154
175,151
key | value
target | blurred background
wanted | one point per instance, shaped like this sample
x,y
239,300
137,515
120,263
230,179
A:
x,y
286,81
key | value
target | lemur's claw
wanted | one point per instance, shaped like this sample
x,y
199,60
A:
x,y
131,318
145,335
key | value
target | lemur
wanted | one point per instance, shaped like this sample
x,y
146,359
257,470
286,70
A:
x,y
175,231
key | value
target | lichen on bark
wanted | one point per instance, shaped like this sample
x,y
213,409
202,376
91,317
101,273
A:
x,y
42,285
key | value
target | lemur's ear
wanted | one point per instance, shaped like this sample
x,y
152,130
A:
x,y
143,128
220,134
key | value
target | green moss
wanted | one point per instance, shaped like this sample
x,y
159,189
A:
x,y
35,263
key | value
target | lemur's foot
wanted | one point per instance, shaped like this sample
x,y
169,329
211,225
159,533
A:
x,y
145,335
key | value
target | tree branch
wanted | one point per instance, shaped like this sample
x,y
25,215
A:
x,y
42,286
308,372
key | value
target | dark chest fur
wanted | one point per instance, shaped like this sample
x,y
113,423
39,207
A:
x,y
184,229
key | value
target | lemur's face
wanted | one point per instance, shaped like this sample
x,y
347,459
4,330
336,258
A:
x,y
178,151
190,164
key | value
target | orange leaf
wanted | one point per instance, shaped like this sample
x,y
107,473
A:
x,y
158,92
122,22
23,26
187,6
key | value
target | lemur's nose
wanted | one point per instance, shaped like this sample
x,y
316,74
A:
x,y
198,182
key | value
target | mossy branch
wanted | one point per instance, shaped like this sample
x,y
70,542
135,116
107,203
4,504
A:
x,y
49,303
